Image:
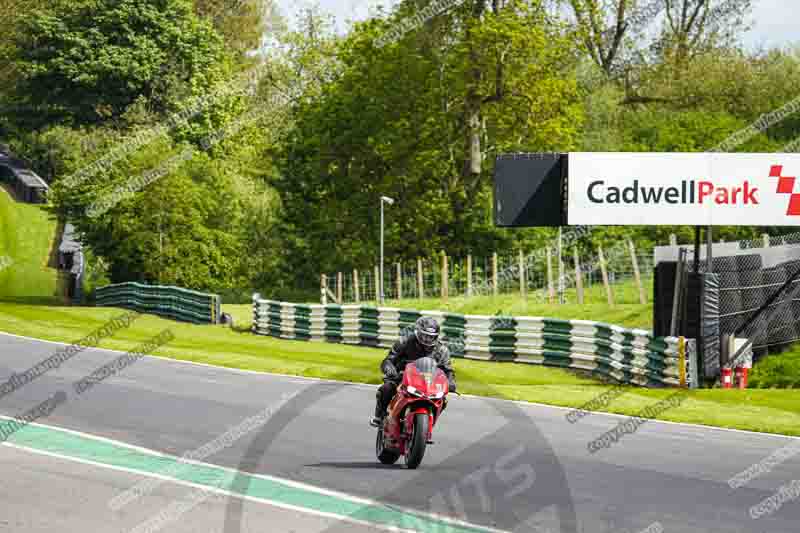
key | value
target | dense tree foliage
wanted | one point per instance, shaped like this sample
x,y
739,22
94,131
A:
x,y
244,24
287,139
394,121
90,60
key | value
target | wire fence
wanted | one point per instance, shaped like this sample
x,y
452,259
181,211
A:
x,y
755,301
767,241
743,276
755,282
502,274
780,323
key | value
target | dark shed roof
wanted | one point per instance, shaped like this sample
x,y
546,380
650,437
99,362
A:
x,y
29,178
69,241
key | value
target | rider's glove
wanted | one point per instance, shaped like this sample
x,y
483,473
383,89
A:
x,y
389,371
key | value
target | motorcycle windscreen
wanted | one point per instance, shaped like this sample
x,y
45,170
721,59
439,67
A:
x,y
427,367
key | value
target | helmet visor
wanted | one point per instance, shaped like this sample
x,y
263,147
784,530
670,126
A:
x,y
427,339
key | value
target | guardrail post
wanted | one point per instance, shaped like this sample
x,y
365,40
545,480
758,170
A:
x,y
323,288
339,291
522,285
356,286
673,239
765,239
682,361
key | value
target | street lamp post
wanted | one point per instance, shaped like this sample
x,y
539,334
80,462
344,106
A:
x,y
384,199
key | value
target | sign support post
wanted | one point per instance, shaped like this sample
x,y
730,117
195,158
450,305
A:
x,y
696,249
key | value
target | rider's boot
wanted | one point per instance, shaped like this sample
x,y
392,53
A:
x,y
380,412
377,420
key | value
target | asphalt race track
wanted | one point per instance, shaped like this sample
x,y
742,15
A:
x,y
310,465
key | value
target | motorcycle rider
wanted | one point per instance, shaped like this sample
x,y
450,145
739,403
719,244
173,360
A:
x,y
424,342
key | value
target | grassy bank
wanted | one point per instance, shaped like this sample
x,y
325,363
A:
x,y
27,252
776,411
628,315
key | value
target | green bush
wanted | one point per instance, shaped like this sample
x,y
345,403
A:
x,y
780,371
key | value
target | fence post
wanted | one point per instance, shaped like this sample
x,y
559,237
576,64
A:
x,y
636,274
339,291
765,239
377,285
469,275
609,294
445,276
420,280
550,289
323,288
578,277
356,286
494,274
522,287
399,281
673,239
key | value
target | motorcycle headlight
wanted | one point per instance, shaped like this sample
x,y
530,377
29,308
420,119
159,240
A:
x,y
438,395
413,390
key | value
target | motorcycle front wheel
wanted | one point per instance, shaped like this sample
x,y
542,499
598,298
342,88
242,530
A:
x,y
418,441
387,457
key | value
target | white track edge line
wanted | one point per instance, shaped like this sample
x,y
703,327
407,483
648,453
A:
x,y
287,506
288,482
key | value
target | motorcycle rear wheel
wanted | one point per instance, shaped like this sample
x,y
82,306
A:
x,y
387,457
418,441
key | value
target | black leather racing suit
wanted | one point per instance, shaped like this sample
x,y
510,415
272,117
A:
x,y
406,350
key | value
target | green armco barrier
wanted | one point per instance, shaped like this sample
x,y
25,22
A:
x,y
170,302
631,356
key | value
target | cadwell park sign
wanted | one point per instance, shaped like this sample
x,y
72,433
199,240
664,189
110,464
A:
x,y
700,189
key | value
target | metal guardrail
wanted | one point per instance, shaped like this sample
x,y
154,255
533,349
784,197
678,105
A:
x,y
166,301
624,355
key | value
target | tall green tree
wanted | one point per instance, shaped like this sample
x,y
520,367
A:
x,y
244,24
87,61
617,35
183,230
399,120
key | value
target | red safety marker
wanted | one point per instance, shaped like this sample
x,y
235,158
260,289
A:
x,y
741,377
727,378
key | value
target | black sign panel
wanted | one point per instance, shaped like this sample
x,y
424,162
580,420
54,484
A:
x,y
529,190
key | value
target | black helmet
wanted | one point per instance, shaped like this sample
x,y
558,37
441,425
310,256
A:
x,y
427,331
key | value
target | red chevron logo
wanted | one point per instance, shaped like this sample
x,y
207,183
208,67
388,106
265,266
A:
x,y
786,186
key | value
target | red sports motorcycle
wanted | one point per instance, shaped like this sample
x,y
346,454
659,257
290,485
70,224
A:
x,y
408,427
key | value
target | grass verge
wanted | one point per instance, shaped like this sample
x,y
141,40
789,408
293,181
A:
x,y
772,411
26,252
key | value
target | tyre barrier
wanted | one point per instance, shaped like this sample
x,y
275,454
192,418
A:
x,y
169,302
630,356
